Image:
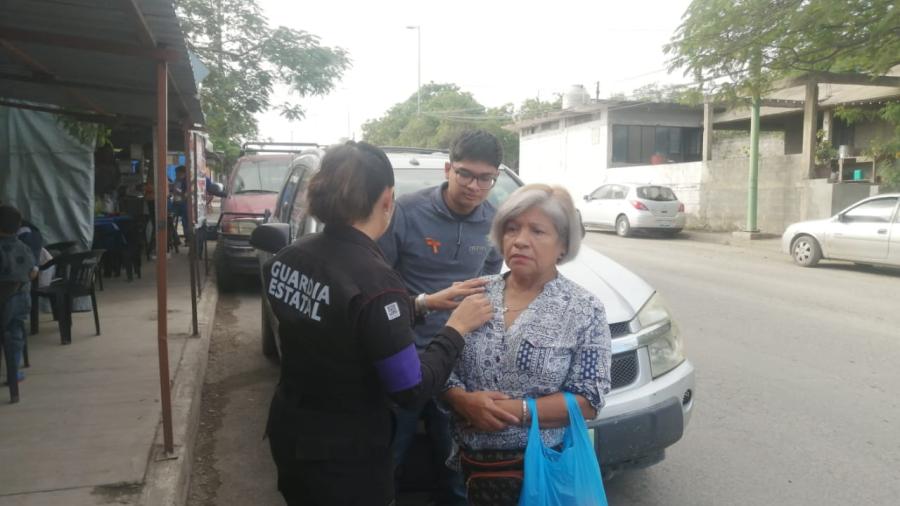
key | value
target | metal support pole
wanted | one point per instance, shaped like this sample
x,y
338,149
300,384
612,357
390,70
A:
x,y
418,30
190,237
753,182
419,70
162,242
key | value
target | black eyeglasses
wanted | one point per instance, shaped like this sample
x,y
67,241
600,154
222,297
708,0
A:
x,y
484,181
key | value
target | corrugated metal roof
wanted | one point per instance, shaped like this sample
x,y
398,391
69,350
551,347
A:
x,y
49,55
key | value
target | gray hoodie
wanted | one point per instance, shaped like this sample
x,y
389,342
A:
x,y
431,248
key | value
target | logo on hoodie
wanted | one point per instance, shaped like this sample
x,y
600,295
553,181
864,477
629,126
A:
x,y
433,244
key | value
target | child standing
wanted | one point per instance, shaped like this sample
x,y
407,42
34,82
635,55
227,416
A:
x,y
17,269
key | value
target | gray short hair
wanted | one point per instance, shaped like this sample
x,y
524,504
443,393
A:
x,y
555,202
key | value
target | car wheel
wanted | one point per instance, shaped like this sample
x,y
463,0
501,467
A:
x,y
224,279
623,227
269,347
805,251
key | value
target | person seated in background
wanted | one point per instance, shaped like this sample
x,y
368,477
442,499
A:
x,y
17,269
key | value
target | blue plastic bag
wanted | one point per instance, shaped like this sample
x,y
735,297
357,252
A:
x,y
568,477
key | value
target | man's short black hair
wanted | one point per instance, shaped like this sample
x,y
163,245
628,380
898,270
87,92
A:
x,y
10,219
477,146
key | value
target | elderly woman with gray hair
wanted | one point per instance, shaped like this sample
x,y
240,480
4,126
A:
x,y
548,335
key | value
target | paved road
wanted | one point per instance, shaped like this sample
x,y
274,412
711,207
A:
x,y
794,400
796,378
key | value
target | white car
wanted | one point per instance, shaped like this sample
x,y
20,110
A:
x,y
626,207
868,232
652,394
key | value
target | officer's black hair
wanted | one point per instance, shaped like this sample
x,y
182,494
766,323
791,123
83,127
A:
x,y
351,177
10,219
477,146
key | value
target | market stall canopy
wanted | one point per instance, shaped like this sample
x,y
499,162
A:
x,y
96,59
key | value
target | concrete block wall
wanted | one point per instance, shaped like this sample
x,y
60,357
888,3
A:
x,y
782,186
736,144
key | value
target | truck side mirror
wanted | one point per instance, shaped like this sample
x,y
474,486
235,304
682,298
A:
x,y
216,190
270,237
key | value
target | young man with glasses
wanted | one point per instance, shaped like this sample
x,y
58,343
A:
x,y
439,237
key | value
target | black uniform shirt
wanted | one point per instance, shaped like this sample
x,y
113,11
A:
x,y
345,323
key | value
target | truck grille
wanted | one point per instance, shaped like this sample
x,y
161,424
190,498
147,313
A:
x,y
618,329
624,369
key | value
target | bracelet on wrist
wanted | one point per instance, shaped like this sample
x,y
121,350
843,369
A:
x,y
421,307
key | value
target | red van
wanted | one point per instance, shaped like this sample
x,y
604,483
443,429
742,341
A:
x,y
249,196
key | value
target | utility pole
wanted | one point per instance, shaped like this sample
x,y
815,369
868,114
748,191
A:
x,y
418,30
753,179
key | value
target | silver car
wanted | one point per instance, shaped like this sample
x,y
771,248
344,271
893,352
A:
x,y
626,207
867,232
652,394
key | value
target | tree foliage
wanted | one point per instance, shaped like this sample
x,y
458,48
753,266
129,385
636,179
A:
x,y
740,47
247,58
671,93
446,111
535,107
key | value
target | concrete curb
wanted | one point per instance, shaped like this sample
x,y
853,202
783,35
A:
x,y
167,479
767,242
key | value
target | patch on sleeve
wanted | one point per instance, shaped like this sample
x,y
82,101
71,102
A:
x,y
392,310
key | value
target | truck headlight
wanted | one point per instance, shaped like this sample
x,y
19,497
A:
x,y
240,226
661,336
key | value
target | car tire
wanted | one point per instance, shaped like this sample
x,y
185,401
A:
x,y
269,347
623,226
224,279
805,251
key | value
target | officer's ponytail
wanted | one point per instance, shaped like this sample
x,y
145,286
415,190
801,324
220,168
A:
x,y
351,178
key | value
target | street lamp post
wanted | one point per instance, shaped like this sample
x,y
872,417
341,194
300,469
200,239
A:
x,y
418,30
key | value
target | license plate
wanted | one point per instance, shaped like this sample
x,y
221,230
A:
x,y
664,224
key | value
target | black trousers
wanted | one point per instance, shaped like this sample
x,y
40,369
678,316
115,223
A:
x,y
326,480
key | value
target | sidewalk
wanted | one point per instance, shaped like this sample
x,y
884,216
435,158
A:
x,y
771,243
87,430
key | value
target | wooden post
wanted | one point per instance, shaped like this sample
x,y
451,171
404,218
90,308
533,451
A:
x,y
162,242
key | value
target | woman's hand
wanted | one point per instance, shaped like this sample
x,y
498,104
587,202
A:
x,y
481,410
449,297
473,312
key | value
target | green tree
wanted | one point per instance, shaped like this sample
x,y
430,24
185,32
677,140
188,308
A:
x,y
247,58
535,107
446,112
671,93
740,47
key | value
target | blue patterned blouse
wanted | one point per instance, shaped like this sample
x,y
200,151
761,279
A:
x,y
561,342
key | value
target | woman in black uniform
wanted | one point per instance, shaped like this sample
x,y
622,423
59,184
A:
x,y
348,352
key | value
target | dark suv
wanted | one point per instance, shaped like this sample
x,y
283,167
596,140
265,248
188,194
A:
x,y
651,399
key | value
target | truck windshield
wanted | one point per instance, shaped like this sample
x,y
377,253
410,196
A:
x,y
260,176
